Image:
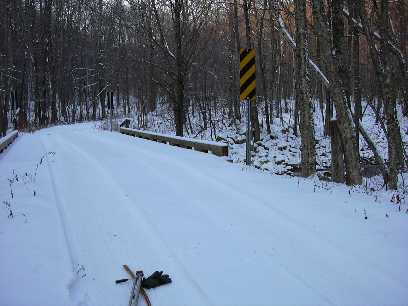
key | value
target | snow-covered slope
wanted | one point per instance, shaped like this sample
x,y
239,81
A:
x,y
78,202
278,152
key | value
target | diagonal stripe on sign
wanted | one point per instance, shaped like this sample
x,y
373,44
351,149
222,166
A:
x,y
247,74
249,90
250,72
247,58
252,95
248,82
247,67
243,53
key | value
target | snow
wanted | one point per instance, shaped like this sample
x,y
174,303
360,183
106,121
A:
x,y
321,74
8,137
286,32
85,201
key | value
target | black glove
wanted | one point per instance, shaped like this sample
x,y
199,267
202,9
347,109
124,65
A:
x,y
155,280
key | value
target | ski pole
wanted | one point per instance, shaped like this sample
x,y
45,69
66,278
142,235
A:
x,y
137,284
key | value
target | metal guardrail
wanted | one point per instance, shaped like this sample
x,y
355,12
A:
x,y
7,140
216,148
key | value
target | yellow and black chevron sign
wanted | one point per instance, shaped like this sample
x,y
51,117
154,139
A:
x,y
247,74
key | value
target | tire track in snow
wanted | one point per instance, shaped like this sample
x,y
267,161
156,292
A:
x,y
70,243
146,222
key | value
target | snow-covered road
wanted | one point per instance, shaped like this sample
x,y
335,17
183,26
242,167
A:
x,y
225,234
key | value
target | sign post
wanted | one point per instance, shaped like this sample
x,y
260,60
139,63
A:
x,y
110,99
248,133
247,82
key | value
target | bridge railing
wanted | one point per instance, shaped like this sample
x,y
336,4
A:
x,y
7,140
216,148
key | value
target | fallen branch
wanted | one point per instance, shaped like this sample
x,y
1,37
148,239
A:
x,y
292,43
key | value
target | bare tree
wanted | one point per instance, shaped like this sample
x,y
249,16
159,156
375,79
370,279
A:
x,y
308,154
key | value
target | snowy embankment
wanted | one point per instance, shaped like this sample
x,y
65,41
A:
x,y
78,202
279,152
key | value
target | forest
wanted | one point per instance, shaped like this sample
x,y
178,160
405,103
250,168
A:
x,y
324,64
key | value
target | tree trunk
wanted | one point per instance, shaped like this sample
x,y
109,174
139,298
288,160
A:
x,y
308,154
261,64
338,85
356,73
237,110
179,88
395,148
337,156
323,39
254,108
402,7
